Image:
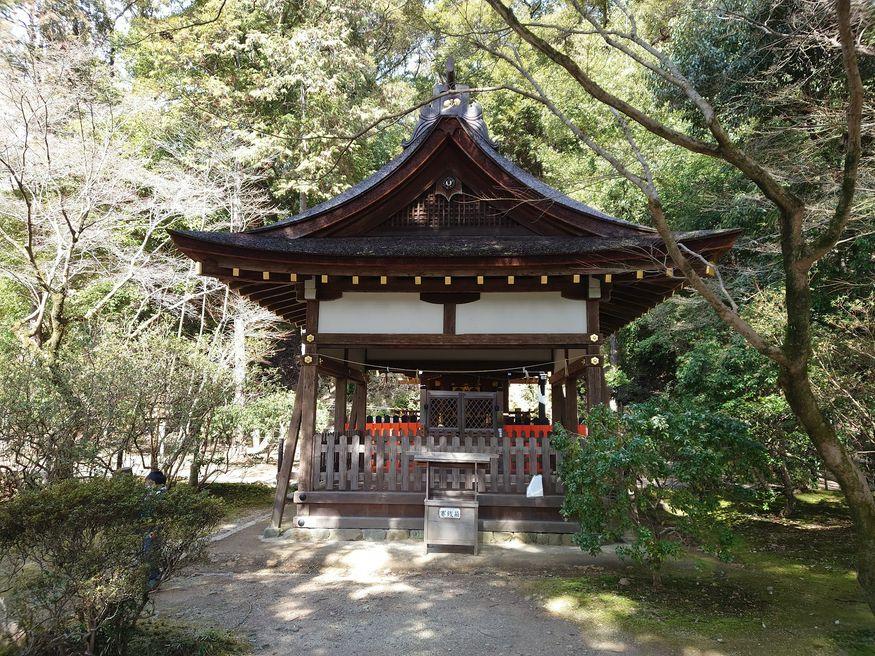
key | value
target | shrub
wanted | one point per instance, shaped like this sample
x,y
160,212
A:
x,y
73,564
237,497
162,638
659,471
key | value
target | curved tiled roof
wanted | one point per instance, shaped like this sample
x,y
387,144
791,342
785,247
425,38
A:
x,y
450,246
336,236
470,117
356,190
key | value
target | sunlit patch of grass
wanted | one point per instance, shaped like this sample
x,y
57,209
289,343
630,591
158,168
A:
x,y
782,596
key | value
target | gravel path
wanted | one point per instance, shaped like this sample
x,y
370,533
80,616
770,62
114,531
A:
x,y
382,598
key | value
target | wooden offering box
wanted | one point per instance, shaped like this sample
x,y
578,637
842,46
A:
x,y
451,515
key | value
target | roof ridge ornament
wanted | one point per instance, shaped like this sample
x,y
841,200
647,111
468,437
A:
x,y
451,99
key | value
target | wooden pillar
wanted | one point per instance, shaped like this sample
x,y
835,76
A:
x,y
284,474
557,404
423,407
340,404
594,383
309,387
308,425
595,376
570,411
359,410
501,404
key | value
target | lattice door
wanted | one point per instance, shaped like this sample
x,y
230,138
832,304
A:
x,y
479,411
443,410
461,410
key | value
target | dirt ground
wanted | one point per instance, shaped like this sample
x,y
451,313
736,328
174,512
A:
x,y
381,597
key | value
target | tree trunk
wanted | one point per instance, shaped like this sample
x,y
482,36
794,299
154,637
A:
x,y
787,491
58,324
194,472
239,346
860,499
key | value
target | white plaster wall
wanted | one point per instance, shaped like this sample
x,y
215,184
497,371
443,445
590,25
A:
x,y
521,312
372,313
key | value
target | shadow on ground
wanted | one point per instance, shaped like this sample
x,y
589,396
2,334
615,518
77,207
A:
x,y
385,598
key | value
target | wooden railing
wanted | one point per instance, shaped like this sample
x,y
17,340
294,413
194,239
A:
x,y
384,461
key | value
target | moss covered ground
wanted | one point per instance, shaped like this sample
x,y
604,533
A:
x,y
791,589
242,498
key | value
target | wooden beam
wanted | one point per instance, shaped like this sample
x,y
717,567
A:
x,y
288,301
291,314
336,369
294,314
324,293
284,304
274,293
248,272
576,294
464,286
338,521
546,340
377,498
370,269
249,287
624,289
633,301
576,367
457,298
497,368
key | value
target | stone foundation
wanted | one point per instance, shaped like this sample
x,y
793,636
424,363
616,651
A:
x,y
398,534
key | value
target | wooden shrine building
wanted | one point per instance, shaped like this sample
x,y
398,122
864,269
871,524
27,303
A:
x,y
456,266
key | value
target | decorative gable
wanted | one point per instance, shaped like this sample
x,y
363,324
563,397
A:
x,y
448,208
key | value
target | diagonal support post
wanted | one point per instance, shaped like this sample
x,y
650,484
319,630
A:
x,y
285,471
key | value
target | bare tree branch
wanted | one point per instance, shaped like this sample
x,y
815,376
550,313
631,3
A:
x,y
596,90
854,145
724,149
166,32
